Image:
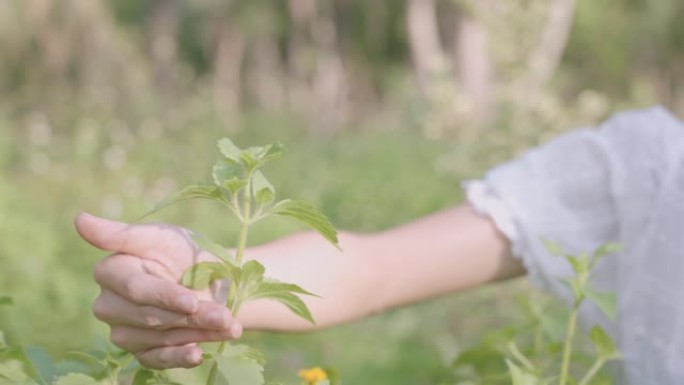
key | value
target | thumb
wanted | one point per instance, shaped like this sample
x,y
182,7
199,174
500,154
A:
x,y
111,235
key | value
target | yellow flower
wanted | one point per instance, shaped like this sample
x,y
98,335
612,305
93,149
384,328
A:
x,y
313,375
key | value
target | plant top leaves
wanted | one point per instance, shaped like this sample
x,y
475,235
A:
x,y
224,171
264,193
252,157
229,150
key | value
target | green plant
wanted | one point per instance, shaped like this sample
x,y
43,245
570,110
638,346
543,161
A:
x,y
239,184
538,352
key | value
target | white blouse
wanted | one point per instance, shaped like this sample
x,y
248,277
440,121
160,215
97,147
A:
x,y
621,182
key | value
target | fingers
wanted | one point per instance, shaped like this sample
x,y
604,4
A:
x,y
116,310
126,238
187,356
125,275
136,340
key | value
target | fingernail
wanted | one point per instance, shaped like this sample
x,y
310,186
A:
x,y
195,358
236,329
217,318
188,303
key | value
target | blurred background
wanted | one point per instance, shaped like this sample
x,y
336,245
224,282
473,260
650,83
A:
x,y
385,106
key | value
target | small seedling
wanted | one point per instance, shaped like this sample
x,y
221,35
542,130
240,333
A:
x,y
544,359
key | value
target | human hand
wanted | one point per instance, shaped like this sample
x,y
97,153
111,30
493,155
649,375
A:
x,y
150,314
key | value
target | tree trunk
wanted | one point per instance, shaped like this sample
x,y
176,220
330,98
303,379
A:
x,y
267,73
228,59
474,66
330,88
547,55
424,41
299,47
162,35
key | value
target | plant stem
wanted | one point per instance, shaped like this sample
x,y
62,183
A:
x,y
569,337
593,371
239,253
513,348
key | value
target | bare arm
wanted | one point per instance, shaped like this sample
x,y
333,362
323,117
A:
x,y
445,252
159,320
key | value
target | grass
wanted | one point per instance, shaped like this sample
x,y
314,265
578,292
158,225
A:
x,y
365,179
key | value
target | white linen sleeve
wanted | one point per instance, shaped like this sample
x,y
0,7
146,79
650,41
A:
x,y
580,190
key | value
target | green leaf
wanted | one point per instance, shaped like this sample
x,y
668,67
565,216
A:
x,y
606,301
602,251
273,286
249,277
519,376
252,271
245,351
552,247
229,150
214,248
144,376
256,157
225,170
281,293
20,355
482,359
76,379
333,375
579,264
88,360
202,275
5,301
606,249
605,347
13,372
235,185
310,216
575,286
264,193
203,191
41,361
249,159
271,151
240,365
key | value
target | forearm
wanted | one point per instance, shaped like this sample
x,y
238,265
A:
x,y
340,278
445,252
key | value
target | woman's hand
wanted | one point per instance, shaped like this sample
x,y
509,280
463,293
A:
x,y
150,313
